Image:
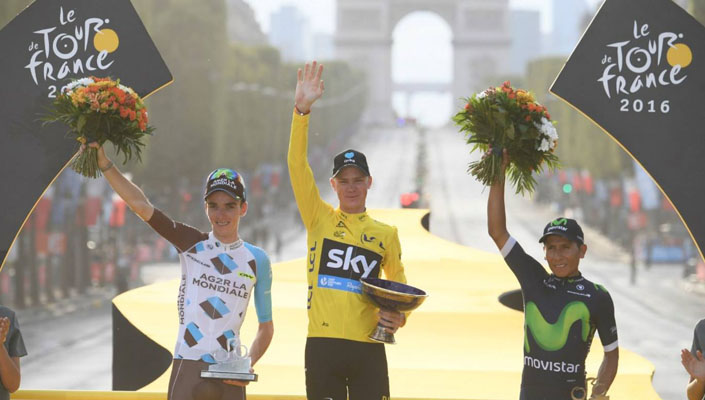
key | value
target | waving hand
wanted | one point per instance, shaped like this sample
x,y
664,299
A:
x,y
309,87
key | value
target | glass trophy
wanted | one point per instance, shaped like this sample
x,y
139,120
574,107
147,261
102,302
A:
x,y
234,363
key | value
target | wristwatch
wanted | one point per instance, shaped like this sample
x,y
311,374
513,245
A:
x,y
296,108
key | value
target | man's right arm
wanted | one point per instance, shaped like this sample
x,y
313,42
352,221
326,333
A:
x,y
180,235
306,192
496,215
128,191
309,88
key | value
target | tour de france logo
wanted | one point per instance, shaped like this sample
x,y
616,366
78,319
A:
x,y
647,60
75,46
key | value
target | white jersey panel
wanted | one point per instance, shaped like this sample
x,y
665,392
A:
x,y
216,286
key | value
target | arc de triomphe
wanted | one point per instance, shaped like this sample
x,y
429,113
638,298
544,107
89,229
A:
x,y
363,38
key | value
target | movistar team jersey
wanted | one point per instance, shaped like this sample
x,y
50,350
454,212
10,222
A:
x,y
342,249
561,316
216,285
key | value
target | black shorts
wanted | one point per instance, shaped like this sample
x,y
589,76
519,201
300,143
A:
x,y
551,392
186,383
336,368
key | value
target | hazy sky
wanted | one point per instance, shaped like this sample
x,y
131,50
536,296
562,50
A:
x,y
433,64
321,13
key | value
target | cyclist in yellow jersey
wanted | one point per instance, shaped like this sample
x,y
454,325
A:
x,y
344,244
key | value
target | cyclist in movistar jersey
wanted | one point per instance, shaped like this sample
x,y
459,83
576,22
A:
x,y
344,244
562,310
219,273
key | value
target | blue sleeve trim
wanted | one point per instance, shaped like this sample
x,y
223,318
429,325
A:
x,y
263,286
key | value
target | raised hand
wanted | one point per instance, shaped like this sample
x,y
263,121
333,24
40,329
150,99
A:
x,y
309,86
695,365
104,162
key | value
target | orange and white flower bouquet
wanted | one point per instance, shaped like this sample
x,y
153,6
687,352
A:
x,y
508,118
100,110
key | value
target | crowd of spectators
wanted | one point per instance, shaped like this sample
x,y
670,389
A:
x,y
630,210
81,235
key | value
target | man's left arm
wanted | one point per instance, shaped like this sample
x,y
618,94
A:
x,y
394,271
391,263
265,332
607,328
606,373
263,306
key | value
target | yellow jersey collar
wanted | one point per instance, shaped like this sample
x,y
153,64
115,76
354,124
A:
x,y
352,217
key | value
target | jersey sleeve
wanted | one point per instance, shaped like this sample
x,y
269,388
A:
x,y
308,198
391,263
182,236
14,341
698,337
606,324
263,286
524,267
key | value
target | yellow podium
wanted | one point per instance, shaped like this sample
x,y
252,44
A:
x,y
462,343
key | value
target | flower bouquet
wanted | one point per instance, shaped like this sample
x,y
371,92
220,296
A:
x,y
100,110
507,118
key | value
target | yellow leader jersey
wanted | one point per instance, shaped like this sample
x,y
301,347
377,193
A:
x,y
342,248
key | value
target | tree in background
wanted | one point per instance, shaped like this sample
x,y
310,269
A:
x,y
697,10
191,37
230,104
259,107
10,8
581,144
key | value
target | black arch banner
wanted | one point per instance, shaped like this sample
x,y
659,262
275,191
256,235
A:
x,y
47,45
639,73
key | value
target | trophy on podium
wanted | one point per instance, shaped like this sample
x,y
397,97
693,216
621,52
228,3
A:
x,y
393,296
233,363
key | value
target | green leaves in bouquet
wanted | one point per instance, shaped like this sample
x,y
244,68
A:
x,y
522,176
496,120
108,122
62,111
126,138
81,123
